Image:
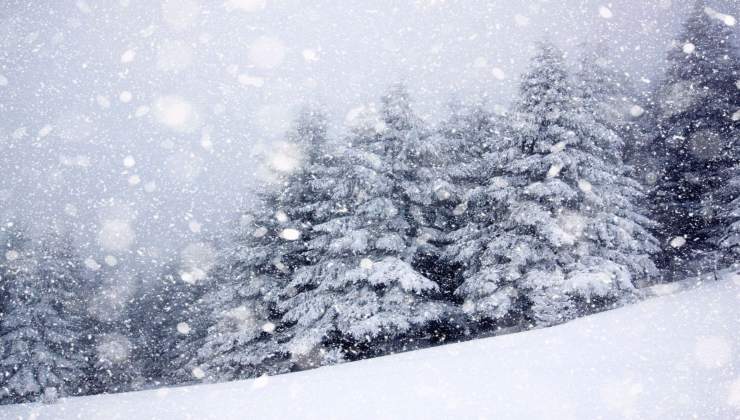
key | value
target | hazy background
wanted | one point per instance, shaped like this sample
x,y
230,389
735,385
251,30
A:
x,y
141,124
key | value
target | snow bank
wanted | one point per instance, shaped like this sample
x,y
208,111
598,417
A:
x,y
670,357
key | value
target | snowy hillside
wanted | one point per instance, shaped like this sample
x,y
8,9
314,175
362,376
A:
x,y
670,357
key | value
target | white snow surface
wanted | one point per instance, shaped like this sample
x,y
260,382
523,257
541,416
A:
x,y
675,356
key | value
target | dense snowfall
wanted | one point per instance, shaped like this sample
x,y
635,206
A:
x,y
238,242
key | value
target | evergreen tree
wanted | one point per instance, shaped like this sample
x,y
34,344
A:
x,y
110,325
43,345
246,332
250,274
697,142
610,93
431,196
729,218
472,135
360,294
563,236
115,367
167,323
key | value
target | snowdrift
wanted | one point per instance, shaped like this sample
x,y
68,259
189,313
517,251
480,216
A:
x,y
670,357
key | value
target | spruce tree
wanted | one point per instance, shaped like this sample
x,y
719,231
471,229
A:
x,y
43,350
697,141
166,325
563,238
254,270
360,294
470,220
729,217
602,86
110,327
250,274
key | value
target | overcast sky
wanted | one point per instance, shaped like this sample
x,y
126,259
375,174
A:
x,y
142,117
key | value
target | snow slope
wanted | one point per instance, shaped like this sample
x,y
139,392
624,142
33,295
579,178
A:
x,y
670,357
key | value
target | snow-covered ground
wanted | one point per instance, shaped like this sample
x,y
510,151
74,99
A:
x,y
670,357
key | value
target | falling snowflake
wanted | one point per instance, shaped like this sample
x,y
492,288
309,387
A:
x,y
605,12
183,328
290,234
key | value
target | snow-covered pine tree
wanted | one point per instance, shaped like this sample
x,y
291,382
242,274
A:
x,y
44,352
302,193
697,142
166,326
471,132
729,219
568,240
115,367
614,102
611,94
360,294
423,191
470,219
249,274
246,332
429,194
